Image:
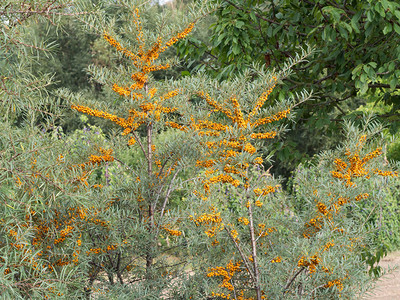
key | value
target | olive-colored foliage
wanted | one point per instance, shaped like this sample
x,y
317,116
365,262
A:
x,y
173,201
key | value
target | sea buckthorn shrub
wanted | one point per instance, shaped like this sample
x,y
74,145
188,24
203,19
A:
x,y
96,224
77,219
264,248
89,215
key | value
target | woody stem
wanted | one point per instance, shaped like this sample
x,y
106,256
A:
x,y
149,256
254,254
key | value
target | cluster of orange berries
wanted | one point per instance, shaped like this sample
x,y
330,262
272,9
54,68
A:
x,y
336,283
263,98
346,172
234,234
311,264
233,170
45,232
386,173
356,166
258,161
226,273
249,148
265,231
170,94
54,292
221,295
277,259
328,245
100,250
180,35
265,135
232,147
175,125
322,208
64,233
316,223
18,181
19,244
258,203
121,90
313,226
274,118
205,163
97,159
233,143
265,191
118,46
143,61
238,119
243,220
225,179
213,220
172,232
101,114
206,124
215,105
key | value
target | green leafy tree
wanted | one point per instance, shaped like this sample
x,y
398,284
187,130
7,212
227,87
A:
x,y
357,55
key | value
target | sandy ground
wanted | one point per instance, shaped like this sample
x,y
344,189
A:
x,y
388,287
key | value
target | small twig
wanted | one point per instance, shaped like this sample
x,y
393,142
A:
x,y
382,85
254,253
14,41
285,289
318,287
242,255
140,143
125,165
168,193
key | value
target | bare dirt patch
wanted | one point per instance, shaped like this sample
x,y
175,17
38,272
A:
x,y
388,287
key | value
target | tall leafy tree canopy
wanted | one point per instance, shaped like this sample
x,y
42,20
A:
x,y
357,57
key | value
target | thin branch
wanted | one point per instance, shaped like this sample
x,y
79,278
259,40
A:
x,y
140,144
318,287
165,199
168,193
382,85
324,78
125,165
254,254
163,166
241,254
207,52
14,41
290,281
